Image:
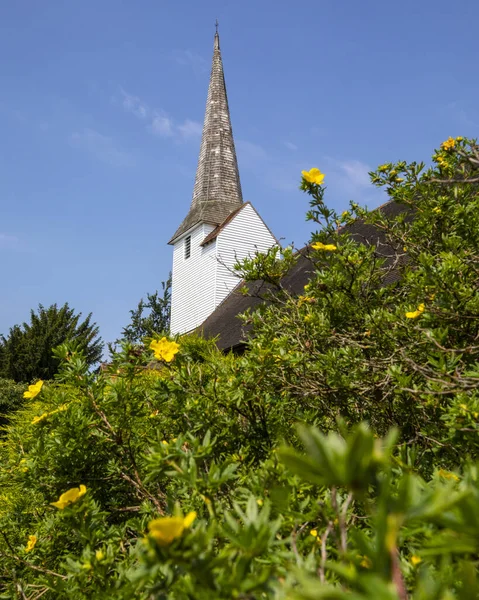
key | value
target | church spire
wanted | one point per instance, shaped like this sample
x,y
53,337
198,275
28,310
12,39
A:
x,y
217,189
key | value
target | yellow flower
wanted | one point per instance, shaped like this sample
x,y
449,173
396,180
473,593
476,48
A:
x,y
167,529
442,162
448,144
383,168
314,532
32,540
345,213
325,247
313,176
69,497
416,313
99,555
259,502
33,390
415,560
366,562
305,300
459,138
436,209
447,475
164,350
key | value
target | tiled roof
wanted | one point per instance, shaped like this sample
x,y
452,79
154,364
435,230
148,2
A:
x,y
219,228
224,323
217,189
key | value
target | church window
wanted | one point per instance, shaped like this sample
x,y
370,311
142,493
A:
x,y
188,247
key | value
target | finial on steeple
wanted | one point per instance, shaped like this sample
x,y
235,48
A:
x,y
217,36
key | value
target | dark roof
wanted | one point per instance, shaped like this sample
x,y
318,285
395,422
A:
x,y
217,189
224,322
212,212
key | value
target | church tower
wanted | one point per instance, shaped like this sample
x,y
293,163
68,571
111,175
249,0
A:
x,y
219,227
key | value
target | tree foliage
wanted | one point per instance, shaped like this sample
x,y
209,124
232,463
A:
x,y
27,352
11,399
198,481
156,319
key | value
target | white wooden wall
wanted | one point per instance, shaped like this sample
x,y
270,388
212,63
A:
x,y
201,282
242,237
193,281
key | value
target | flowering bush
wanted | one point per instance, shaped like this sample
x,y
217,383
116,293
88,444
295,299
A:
x,y
179,472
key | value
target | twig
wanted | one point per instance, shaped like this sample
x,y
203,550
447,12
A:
x,y
448,181
397,575
294,533
342,522
324,538
41,594
33,567
20,591
143,492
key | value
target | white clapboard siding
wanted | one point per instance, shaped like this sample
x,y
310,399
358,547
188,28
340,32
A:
x,y
200,283
193,281
245,234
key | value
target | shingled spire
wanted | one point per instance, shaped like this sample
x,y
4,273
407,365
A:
x,y
217,190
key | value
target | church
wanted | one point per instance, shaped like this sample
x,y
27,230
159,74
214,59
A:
x,y
220,228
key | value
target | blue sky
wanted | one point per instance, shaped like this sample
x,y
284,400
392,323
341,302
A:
x,y
101,106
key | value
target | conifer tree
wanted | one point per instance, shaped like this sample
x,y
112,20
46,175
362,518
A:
x,y
27,352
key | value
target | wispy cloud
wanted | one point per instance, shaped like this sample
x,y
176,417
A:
x,y
190,129
348,179
356,172
159,122
275,171
101,147
187,58
134,105
162,125
249,153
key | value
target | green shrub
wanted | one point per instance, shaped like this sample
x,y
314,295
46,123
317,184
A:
x,y
186,476
11,399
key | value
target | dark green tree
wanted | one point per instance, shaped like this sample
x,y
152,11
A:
x,y
27,352
150,316
11,399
